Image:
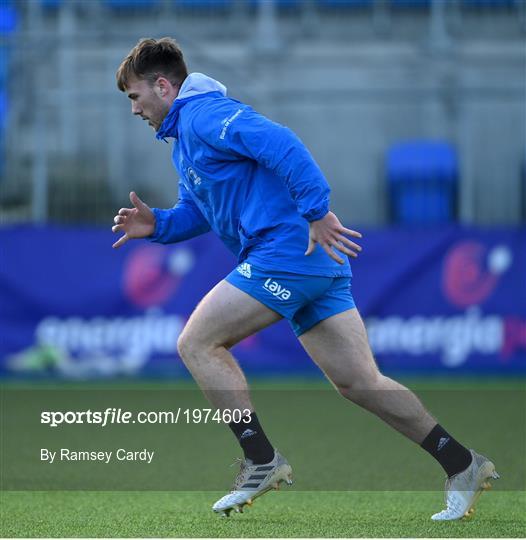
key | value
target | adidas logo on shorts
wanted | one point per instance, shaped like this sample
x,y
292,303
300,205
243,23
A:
x,y
245,270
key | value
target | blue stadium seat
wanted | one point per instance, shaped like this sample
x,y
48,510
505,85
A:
x,y
411,4
132,4
51,4
8,18
490,3
346,3
3,110
280,4
422,179
2,159
4,66
204,4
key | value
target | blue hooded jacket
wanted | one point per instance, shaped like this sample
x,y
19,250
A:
x,y
250,180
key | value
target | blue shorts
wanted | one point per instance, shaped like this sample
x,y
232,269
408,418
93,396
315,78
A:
x,y
303,300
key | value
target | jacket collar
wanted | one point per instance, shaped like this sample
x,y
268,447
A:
x,y
195,86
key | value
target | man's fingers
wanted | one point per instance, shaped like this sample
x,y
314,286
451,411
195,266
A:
x,y
118,219
350,232
117,228
327,248
312,245
344,240
125,211
345,249
134,198
123,239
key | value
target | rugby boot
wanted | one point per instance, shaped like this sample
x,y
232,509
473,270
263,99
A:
x,y
464,489
252,481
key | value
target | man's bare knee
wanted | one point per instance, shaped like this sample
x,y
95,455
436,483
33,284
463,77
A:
x,y
184,345
360,388
193,344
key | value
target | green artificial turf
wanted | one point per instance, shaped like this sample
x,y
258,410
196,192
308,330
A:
x,y
282,514
344,462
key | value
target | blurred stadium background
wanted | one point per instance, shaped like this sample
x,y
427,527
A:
x,y
415,110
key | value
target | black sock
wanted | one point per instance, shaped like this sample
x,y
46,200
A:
x,y
453,457
253,440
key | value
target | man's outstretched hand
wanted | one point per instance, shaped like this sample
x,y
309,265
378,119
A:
x,y
136,222
329,233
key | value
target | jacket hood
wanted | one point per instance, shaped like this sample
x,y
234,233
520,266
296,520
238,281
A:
x,y
196,85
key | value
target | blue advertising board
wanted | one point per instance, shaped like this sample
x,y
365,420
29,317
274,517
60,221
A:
x,y
445,299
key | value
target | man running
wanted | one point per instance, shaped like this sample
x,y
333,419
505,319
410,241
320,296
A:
x,y
254,184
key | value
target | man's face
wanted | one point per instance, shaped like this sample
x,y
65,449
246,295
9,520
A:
x,y
148,102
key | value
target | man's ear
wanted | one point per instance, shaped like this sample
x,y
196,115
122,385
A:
x,y
163,86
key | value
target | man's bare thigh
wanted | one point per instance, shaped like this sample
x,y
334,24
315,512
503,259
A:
x,y
340,347
226,315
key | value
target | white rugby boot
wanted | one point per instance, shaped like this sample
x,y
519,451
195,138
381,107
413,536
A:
x,y
464,489
253,481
